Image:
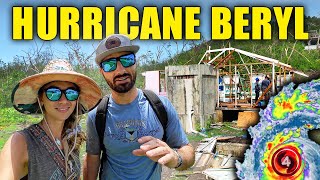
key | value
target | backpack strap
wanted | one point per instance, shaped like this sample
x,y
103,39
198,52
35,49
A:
x,y
100,127
101,118
159,109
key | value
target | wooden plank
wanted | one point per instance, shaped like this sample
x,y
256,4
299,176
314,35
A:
x,y
225,138
207,147
236,149
203,160
217,161
242,101
221,174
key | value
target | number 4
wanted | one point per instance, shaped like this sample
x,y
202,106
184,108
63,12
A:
x,y
286,161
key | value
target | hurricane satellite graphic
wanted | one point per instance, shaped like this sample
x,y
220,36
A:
x,y
281,148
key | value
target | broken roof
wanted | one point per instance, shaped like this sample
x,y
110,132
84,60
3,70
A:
x,y
218,61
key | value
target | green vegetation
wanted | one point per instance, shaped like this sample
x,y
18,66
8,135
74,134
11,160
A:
x,y
5,133
225,129
10,116
11,121
195,137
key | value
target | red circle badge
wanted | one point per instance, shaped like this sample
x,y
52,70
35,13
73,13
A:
x,y
286,161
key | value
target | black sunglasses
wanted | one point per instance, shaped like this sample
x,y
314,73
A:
x,y
54,93
110,65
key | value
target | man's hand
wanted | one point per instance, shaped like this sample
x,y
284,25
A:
x,y
157,151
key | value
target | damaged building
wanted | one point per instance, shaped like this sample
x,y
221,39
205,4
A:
x,y
220,86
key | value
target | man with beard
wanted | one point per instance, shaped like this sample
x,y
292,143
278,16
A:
x,y
133,132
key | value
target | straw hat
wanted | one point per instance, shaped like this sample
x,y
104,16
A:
x,y
24,95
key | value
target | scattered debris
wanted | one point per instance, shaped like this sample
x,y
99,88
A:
x,y
225,160
207,146
235,128
216,125
216,156
219,126
232,145
220,174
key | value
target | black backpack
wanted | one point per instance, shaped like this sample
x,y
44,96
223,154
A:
x,y
100,120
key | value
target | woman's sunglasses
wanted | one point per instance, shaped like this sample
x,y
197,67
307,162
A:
x,y
54,93
110,65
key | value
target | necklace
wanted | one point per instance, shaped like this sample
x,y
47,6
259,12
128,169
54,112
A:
x,y
57,142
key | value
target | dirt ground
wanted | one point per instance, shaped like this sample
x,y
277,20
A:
x,y
171,174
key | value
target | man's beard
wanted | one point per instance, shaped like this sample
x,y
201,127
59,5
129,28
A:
x,y
123,88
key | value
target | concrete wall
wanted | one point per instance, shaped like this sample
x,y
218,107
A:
x,y
192,88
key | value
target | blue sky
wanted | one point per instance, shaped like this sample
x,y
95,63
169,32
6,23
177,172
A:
x,y
10,48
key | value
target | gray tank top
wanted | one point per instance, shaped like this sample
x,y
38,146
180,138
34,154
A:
x,y
45,160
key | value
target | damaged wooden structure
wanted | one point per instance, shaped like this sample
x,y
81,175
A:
x,y
216,156
236,71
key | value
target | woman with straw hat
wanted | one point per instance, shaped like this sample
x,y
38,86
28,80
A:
x,y
49,149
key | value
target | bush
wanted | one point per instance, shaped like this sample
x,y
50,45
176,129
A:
x,y
10,116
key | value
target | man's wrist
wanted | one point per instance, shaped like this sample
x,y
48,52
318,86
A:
x,y
179,163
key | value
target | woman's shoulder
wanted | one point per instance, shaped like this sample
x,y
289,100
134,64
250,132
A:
x,y
14,157
18,140
16,145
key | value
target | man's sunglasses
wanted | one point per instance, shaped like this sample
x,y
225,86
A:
x,y
110,65
54,93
